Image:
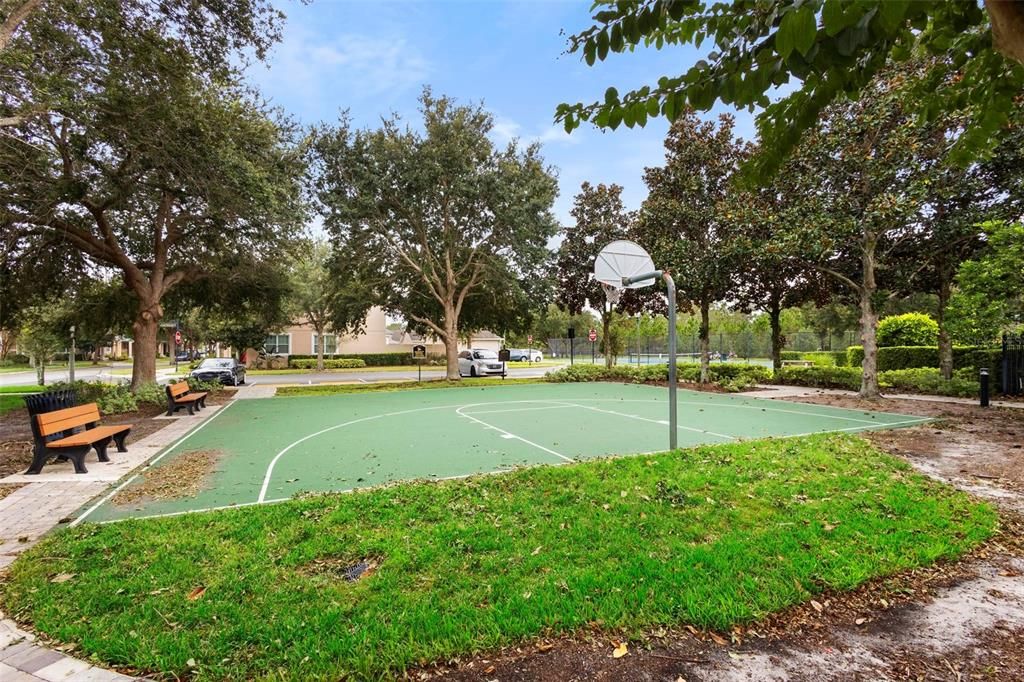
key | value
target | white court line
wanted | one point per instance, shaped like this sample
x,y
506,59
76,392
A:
x,y
658,421
527,409
509,434
742,407
119,488
921,420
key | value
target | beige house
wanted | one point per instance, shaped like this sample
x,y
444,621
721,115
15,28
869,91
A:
x,y
300,339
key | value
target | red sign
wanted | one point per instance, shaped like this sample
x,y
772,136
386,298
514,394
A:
x,y
593,335
529,338
177,337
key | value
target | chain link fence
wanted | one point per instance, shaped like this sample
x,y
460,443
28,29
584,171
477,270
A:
x,y
747,345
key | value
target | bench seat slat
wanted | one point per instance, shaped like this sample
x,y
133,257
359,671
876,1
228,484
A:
x,y
89,436
191,397
68,418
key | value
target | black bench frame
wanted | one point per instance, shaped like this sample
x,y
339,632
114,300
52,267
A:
x,y
192,405
41,452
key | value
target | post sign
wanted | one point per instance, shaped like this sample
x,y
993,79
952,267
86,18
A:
x,y
593,335
572,333
529,338
419,352
504,355
177,337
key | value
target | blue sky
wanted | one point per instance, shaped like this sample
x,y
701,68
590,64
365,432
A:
x,y
374,57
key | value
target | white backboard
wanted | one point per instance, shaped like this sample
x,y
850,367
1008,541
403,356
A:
x,y
620,259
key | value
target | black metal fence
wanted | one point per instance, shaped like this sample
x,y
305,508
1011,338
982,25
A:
x,y
1012,369
746,345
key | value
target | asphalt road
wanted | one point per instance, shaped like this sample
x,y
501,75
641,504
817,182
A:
x,y
369,376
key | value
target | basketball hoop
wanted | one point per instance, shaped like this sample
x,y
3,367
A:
x,y
612,294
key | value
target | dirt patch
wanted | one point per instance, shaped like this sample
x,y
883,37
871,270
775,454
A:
x,y
978,449
184,476
8,488
339,568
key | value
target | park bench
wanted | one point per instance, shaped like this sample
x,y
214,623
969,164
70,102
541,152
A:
x,y
797,363
72,443
179,395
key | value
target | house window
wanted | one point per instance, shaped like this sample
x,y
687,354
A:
x,y
330,344
277,344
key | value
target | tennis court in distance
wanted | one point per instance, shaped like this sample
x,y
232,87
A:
x,y
269,450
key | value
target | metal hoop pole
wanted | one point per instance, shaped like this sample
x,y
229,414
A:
x,y
670,283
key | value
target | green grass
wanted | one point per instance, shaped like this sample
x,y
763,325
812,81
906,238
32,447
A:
x,y
338,389
10,403
711,537
389,368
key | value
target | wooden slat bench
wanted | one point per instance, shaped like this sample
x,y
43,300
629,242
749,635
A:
x,y
179,395
74,443
797,363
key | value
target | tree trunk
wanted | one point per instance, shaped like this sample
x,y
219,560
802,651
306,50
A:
x,y
945,342
41,372
705,341
868,322
775,317
319,348
606,338
451,344
145,329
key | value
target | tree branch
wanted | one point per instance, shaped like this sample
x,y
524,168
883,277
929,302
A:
x,y
14,20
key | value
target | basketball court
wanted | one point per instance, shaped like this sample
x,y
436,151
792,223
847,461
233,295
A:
x,y
263,451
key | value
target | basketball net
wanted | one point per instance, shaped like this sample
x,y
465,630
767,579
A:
x,y
612,294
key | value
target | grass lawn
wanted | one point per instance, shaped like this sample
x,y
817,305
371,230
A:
x,y
10,403
710,536
339,389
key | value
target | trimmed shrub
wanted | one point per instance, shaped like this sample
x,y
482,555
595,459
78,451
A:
x,y
910,357
211,387
929,381
151,393
909,329
729,377
373,359
344,363
791,355
826,358
820,377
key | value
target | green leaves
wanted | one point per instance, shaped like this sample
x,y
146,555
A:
x,y
797,30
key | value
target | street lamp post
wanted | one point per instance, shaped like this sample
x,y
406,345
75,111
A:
x,y
71,357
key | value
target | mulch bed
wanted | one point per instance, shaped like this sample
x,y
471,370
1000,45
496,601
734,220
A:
x,y
16,434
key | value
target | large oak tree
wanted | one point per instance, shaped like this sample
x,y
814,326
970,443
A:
x,y
151,168
437,222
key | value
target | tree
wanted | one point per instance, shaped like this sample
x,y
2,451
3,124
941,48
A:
x,y
600,218
990,298
237,305
770,278
218,33
434,223
833,48
312,291
41,336
152,171
685,222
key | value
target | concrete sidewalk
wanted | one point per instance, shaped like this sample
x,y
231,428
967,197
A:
x,y
785,391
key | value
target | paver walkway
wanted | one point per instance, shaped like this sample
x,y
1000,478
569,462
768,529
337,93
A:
x,y
31,511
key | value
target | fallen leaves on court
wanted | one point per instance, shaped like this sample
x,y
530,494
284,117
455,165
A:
x,y
183,476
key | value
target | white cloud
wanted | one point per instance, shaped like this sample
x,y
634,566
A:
x,y
505,130
315,74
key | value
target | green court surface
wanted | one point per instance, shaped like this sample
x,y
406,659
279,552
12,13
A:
x,y
269,450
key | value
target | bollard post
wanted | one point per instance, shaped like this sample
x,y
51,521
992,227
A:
x,y
983,380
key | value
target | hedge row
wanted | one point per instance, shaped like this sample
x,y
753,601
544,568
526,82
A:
x,y
910,357
730,377
832,358
343,363
369,359
925,380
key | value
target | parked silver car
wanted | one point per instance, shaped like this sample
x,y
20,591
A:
x,y
477,362
524,355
